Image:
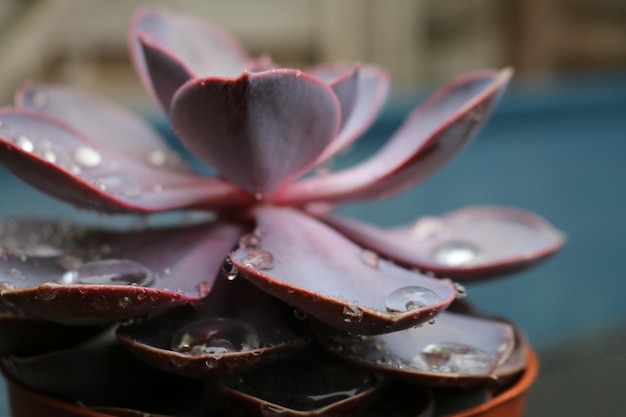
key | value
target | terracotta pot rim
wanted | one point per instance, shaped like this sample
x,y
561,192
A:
x,y
517,390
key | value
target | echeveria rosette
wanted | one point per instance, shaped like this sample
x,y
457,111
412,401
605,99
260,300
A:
x,y
262,129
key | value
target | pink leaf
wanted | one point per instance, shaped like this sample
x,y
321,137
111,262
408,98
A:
x,y
317,270
470,244
434,133
259,129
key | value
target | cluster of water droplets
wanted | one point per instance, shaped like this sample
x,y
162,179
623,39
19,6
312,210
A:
x,y
256,257
439,357
215,336
91,165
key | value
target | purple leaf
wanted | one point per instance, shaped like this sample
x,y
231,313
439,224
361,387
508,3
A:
x,y
65,164
371,92
184,45
470,244
434,133
237,328
69,374
107,125
346,88
98,276
455,350
166,72
312,267
23,335
259,129
307,384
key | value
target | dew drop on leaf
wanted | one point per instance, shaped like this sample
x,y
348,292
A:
x,y
259,259
426,227
157,157
109,272
352,314
249,241
455,253
411,298
229,270
87,157
215,336
456,358
370,258
117,185
24,143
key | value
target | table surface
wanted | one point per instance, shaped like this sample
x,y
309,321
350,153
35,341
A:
x,y
558,149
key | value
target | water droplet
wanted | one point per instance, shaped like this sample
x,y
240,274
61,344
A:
x,y
249,241
117,185
299,314
426,227
5,285
47,292
229,270
461,292
49,155
68,262
87,157
352,314
157,157
298,73
455,253
411,298
456,358
370,258
203,288
260,231
109,272
125,302
39,99
24,143
259,259
215,336
17,273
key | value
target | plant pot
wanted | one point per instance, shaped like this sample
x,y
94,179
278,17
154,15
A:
x,y
28,403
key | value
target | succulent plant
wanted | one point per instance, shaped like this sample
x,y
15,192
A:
x,y
266,304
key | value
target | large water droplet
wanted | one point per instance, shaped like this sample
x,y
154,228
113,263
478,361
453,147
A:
x,y
215,336
259,259
455,358
117,185
109,272
411,298
87,157
370,258
24,143
455,253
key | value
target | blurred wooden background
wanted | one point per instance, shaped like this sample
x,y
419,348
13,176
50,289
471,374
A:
x,y
82,42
